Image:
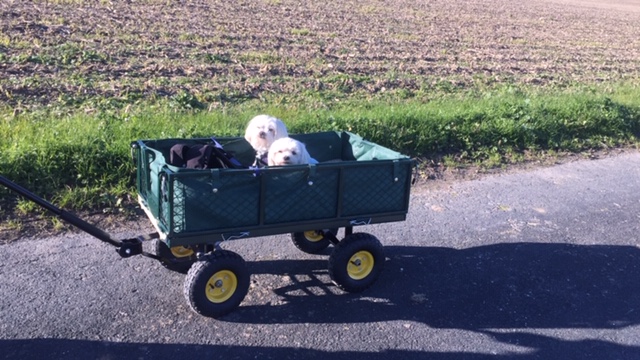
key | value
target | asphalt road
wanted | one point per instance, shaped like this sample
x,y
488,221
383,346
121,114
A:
x,y
537,264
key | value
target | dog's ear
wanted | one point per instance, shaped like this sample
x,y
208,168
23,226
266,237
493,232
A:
x,y
249,132
248,135
281,129
271,155
270,158
305,158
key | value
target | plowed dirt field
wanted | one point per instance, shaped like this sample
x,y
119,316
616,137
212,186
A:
x,y
74,52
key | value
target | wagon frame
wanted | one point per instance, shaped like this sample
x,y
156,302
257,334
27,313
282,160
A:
x,y
354,183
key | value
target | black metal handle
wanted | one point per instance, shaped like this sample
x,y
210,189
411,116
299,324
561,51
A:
x,y
74,220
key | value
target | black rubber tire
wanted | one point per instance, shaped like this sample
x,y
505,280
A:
x,y
171,261
356,262
209,279
309,245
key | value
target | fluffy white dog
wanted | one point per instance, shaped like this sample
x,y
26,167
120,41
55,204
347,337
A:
x,y
261,132
288,151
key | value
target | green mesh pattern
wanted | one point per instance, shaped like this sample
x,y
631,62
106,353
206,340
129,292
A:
x,y
202,203
297,196
354,178
153,189
374,189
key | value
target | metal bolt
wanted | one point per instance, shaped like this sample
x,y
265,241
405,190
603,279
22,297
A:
x,y
310,182
215,190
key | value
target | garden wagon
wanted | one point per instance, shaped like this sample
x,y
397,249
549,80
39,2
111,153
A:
x,y
195,211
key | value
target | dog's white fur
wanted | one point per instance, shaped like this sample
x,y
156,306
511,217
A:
x,y
288,151
263,130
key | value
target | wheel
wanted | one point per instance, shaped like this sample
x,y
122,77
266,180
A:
x,y
312,241
177,258
217,284
356,262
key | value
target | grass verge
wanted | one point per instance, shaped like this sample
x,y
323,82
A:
x,y
81,160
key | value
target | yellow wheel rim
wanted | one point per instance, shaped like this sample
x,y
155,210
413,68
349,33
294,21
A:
x,y
221,286
360,265
181,251
313,236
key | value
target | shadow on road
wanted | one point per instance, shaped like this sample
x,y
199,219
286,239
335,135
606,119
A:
x,y
543,348
503,286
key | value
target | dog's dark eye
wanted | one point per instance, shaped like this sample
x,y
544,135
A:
x,y
272,130
293,152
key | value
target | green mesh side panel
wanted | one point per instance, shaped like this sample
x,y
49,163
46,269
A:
x,y
354,178
153,181
202,203
298,195
375,189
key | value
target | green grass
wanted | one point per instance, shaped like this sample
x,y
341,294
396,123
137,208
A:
x,y
81,159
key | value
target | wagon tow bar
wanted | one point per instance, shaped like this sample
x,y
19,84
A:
x,y
125,247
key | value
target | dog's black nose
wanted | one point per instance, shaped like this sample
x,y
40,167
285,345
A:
x,y
263,135
286,158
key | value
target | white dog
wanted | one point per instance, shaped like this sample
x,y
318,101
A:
x,y
288,151
261,132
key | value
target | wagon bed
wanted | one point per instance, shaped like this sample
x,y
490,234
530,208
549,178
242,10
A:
x,y
355,182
